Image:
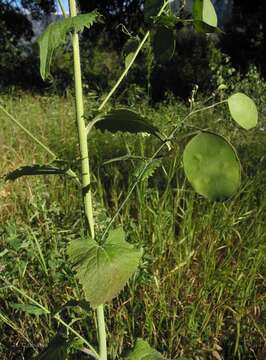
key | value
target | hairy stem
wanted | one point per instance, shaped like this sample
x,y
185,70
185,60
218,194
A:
x,y
81,127
86,167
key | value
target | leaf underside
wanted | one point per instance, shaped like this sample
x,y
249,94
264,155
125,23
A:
x,y
143,351
212,166
103,270
126,121
55,35
56,350
33,170
243,110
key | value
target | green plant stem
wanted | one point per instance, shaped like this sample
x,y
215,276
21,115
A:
x,y
124,74
101,333
62,8
81,127
86,168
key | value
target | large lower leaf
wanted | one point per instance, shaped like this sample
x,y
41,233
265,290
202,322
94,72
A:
x,y
243,110
55,35
212,166
204,13
56,350
143,351
163,43
126,121
103,270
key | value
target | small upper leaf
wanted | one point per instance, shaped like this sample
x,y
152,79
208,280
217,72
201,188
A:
x,y
56,350
163,43
143,351
204,14
103,270
212,166
243,110
126,121
55,35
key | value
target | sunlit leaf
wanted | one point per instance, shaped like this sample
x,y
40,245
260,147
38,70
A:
x,y
103,270
55,35
149,171
126,121
33,170
129,49
163,43
56,350
152,8
29,309
212,166
243,110
128,59
204,14
143,351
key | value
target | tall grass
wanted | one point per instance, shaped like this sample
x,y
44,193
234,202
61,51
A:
x,y
199,292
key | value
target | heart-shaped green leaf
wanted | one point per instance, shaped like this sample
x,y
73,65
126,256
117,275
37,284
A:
x,y
212,166
204,14
103,270
143,351
126,121
55,35
243,110
163,43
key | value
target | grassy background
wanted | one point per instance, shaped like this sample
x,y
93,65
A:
x,y
199,292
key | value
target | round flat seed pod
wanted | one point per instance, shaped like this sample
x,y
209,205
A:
x,y
243,110
212,167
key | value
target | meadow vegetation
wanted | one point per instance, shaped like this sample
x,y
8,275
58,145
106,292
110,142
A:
x,y
199,291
